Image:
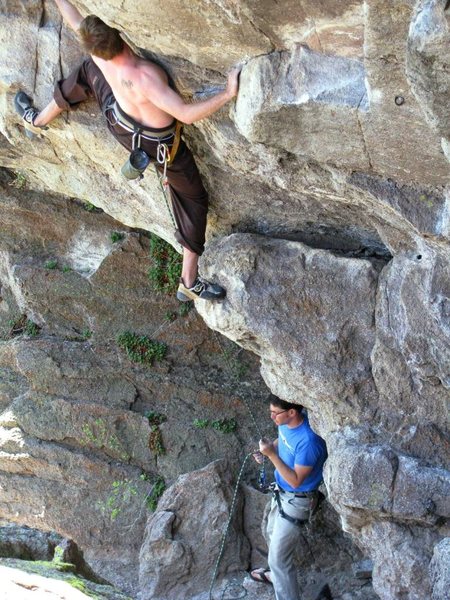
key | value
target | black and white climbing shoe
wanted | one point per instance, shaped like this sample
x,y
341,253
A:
x,y
24,108
201,289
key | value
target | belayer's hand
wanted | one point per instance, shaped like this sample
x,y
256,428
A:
x,y
266,447
233,81
258,457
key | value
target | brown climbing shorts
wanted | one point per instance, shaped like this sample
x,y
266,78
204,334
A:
x,y
189,197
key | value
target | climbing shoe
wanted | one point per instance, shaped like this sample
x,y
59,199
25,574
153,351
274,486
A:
x,y
201,289
25,109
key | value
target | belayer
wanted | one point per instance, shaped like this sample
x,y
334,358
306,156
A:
x,y
298,455
143,114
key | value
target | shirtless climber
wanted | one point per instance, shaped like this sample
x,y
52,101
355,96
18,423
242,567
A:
x,y
135,97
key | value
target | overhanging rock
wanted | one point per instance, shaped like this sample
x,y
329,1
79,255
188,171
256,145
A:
x,y
307,313
306,103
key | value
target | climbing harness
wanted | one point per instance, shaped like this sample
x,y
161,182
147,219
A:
x,y
168,141
276,494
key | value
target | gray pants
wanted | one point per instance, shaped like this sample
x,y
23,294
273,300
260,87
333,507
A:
x,y
282,538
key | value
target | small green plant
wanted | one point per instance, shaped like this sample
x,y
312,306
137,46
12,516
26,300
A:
x,y
66,269
224,425
140,348
89,206
21,324
51,264
120,496
20,180
201,423
98,434
155,442
157,491
237,367
31,328
240,369
86,334
116,236
185,308
17,325
170,316
166,270
155,418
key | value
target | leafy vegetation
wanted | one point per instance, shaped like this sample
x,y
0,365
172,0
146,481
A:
x,y
222,425
155,442
140,348
201,423
31,328
97,433
121,494
116,236
20,180
89,207
237,367
51,264
157,491
22,325
166,270
185,308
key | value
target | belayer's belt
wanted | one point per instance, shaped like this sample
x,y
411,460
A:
x,y
141,131
300,494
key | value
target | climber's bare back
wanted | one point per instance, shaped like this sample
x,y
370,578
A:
x,y
133,83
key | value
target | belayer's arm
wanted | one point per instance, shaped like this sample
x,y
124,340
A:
x,y
296,476
70,14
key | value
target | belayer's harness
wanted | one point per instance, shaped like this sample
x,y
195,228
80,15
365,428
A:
x,y
316,497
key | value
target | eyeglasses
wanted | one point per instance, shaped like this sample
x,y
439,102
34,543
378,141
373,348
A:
x,y
274,412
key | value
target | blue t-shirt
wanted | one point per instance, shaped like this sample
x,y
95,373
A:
x,y
301,446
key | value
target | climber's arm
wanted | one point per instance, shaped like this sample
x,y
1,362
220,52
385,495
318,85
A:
x,y
70,14
162,96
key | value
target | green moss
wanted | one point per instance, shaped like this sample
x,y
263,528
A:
x,y
80,585
67,573
39,566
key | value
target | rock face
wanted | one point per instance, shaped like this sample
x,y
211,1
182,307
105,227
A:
x,y
176,551
329,226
